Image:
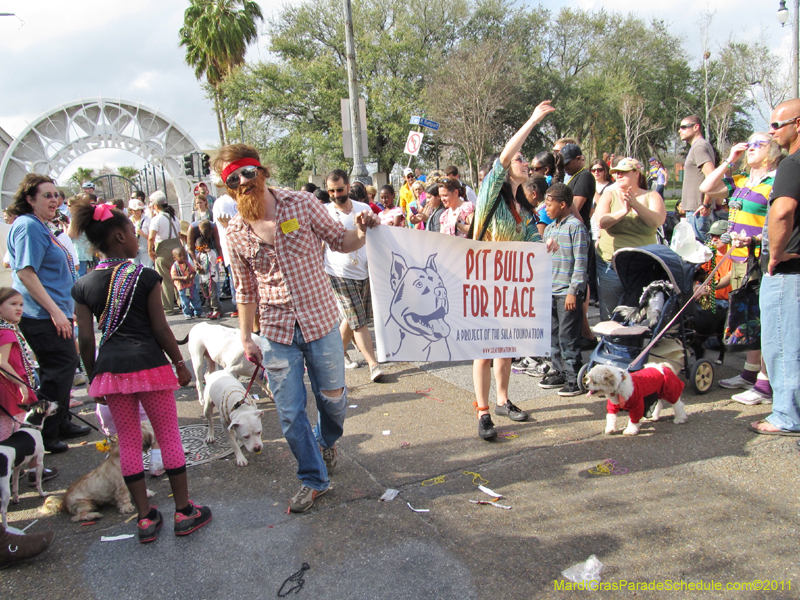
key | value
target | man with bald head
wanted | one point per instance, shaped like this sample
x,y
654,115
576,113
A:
x,y
779,297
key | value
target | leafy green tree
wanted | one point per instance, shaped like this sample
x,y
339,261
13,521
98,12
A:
x,y
297,95
216,34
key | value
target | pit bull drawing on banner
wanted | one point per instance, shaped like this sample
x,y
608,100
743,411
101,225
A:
x,y
417,312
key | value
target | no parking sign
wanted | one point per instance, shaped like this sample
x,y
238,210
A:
x,y
413,143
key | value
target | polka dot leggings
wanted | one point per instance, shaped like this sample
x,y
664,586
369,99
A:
x,y
7,425
163,414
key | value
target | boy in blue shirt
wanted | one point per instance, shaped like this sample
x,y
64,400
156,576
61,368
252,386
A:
x,y
569,289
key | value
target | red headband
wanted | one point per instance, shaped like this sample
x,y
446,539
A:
x,y
238,164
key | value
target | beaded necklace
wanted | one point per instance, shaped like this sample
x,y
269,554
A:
x,y
736,203
70,263
124,277
23,350
709,301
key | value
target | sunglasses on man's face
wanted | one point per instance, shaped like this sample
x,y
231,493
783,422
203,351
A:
x,y
779,124
685,126
234,180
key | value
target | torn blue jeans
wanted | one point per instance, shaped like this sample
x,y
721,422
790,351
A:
x,y
324,361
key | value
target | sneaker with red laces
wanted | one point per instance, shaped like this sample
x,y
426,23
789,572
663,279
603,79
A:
x,y
234,314
201,515
148,528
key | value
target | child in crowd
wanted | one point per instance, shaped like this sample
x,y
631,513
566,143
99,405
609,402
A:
x,y
15,362
183,277
722,279
207,260
130,366
569,289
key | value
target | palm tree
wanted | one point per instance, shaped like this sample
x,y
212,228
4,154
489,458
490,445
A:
x,y
82,174
216,34
128,173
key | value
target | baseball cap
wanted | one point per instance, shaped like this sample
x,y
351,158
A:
x,y
570,151
628,164
87,186
652,159
407,171
718,228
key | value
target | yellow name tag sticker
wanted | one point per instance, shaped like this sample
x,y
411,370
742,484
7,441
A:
x,y
290,226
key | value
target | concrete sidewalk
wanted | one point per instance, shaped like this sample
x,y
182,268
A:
x,y
701,501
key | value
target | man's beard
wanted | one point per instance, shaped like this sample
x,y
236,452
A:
x,y
252,206
340,199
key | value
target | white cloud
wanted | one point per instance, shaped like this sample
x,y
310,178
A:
x,y
143,81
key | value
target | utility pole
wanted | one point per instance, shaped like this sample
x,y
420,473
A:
x,y
359,172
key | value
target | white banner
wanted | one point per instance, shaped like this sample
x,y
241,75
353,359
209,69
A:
x,y
438,297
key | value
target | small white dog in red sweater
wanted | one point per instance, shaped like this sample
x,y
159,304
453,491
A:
x,y
627,391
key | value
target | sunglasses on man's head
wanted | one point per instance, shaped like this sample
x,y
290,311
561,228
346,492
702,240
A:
x,y
233,181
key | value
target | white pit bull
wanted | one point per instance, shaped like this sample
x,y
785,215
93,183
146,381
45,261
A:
x,y
221,347
237,412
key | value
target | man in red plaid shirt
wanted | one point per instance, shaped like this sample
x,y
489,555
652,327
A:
x,y
275,245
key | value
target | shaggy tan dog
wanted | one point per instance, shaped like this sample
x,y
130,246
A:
x,y
100,487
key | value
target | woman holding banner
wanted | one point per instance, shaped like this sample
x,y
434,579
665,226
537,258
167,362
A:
x,y
503,214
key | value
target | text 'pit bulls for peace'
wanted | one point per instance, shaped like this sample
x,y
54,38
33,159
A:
x,y
499,268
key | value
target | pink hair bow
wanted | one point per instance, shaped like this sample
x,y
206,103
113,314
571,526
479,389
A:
x,y
102,212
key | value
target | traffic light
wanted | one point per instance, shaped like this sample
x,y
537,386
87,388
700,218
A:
x,y
188,165
206,164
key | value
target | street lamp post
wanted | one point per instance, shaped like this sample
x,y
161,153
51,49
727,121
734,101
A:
x,y
783,16
240,118
360,172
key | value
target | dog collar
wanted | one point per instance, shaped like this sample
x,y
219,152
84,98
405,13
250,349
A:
x,y
223,409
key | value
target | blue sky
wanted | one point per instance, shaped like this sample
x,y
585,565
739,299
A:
x,y
60,52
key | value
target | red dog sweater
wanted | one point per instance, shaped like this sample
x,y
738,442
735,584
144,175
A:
x,y
667,386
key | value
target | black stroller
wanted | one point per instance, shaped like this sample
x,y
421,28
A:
x,y
657,283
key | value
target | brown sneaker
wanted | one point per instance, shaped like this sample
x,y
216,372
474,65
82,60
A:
x,y
304,498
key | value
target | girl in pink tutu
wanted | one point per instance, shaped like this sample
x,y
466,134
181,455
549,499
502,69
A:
x,y
15,362
130,366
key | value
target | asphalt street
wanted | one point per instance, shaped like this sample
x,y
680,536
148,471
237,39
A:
x,y
705,503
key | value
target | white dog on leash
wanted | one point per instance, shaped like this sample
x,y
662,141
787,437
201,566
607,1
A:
x,y
237,412
221,347
627,391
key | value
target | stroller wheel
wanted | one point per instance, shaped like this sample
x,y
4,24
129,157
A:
x,y
582,379
702,376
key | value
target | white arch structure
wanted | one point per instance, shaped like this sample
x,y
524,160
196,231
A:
x,y
61,135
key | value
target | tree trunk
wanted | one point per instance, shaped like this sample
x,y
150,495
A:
x,y
224,121
219,118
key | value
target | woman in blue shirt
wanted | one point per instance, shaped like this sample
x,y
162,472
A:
x,y
44,272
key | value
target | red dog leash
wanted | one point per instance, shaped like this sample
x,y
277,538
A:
x,y
252,379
